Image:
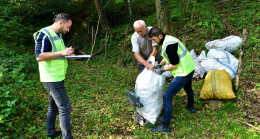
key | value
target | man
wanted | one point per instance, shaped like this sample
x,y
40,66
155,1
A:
x,y
181,66
50,51
143,47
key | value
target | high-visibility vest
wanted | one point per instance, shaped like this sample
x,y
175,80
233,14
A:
x,y
53,70
186,64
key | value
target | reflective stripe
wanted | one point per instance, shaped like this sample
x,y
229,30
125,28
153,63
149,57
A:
x,y
51,39
166,44
183,51
55,38
165,56
172,42
43,39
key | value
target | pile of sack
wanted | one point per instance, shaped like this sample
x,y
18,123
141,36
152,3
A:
x,y
218,60
218,57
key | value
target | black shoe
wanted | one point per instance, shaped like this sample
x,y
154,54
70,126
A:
x,y
56,134
191,109
162,128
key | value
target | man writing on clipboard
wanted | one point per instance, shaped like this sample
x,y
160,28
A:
x,y
50,51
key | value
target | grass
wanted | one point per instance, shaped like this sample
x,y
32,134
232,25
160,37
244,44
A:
x,y
100,110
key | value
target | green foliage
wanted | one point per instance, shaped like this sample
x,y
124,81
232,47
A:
x,y
11,31
15,70
117,11
249,16
17,66
20,19
200,17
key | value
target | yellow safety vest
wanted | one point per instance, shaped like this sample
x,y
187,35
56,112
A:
x,y
53,70
186,64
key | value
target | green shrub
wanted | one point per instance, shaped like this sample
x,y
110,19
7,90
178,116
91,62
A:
x,y
14,70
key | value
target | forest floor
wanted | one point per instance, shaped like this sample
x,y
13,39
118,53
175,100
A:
x,y
100,109
251,97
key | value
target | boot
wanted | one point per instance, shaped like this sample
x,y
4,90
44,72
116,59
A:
x,y
56,134
162,128
191,109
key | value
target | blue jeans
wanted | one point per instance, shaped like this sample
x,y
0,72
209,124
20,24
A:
x,y
175,86
58,101
141,67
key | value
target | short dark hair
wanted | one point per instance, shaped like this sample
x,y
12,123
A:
x,y
155,32
62,16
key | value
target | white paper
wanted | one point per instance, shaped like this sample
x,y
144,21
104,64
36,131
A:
x,y
79,56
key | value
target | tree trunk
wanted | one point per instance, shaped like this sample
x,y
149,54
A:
x,y
163,16
126,7
193,9
103,19
130,15
187,9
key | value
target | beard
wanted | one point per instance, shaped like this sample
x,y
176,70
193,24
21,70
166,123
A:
x,y
62,30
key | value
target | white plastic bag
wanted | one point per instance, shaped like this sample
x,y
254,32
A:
x,y
202,56
199,71
229,43
167,74
149,87
217,59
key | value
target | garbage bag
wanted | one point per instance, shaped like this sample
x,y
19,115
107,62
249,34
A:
x,y
199,71
217,85
202,56
217,59
149,87
229,43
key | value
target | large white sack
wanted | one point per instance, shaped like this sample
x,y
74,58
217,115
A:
x,y
149,87
217,59
229,43
199,71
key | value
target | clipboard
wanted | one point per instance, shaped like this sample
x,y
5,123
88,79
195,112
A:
x,y
78,56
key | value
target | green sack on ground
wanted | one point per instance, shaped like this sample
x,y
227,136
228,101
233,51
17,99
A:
x,y
217,85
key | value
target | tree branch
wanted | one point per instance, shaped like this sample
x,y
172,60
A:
x,y
245,36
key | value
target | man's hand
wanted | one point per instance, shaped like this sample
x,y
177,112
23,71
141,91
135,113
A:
x,y
67,52
150,67
50,56
158,70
